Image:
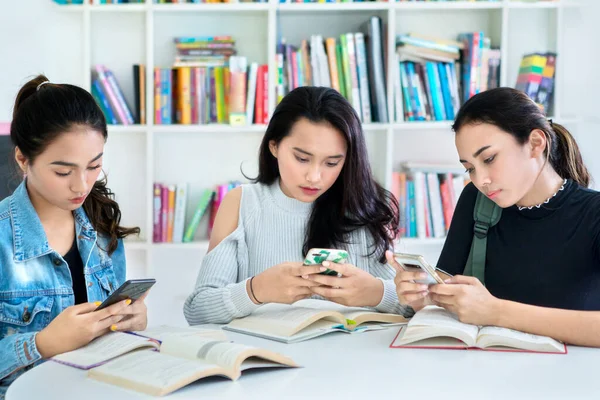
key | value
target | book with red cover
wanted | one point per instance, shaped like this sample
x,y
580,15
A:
x,y
435,328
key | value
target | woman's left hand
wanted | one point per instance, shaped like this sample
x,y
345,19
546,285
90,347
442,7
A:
x,y
466,297
136,316
351,287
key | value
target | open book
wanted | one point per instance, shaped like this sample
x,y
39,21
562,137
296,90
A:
x,y
115,344
307,319
434,327
182,360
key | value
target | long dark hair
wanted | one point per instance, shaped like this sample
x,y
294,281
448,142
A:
x,y
40,115
514,112
355,200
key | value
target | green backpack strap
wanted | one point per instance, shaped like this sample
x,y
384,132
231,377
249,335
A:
x,y
486,214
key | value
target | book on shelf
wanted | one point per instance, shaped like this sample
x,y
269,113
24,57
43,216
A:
x,y
109,96
435,75
536,78
170,203
210,84
308,319
436,328
352,64
427,196
159,367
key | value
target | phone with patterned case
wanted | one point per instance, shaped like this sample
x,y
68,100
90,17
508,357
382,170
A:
x,y
317,256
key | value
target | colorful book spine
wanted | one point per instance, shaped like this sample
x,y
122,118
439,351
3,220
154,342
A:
x,y
201,207
157,213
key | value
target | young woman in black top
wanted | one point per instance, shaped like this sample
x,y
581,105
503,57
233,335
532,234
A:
x,y
542,270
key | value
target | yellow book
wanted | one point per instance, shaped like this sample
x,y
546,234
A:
x,y
184,95
220,94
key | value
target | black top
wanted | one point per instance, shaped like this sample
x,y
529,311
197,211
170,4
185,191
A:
x,y
73,258
547,256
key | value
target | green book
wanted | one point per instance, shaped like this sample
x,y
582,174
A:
x,y
201,208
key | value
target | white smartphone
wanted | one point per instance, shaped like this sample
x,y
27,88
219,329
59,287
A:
x,y
417,263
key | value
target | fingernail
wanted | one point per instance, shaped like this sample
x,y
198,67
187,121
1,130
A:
x,y
113,328
326,263
128,301
422,275
424,287
448,280
323,269
97,303
424,294
305,276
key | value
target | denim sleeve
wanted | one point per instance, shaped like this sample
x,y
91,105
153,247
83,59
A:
x,y
119,263
17,351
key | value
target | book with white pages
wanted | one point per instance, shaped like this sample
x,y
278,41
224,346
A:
x,y
115,344
181,360
436,328
310,318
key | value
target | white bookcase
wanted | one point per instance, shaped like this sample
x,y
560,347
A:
x,y
119,36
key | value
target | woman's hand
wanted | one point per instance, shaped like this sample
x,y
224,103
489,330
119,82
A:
x,y
409,292
466,297
351,287
284,283
135,316
76,326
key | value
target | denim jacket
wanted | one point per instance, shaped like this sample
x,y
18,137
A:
x,y
35,281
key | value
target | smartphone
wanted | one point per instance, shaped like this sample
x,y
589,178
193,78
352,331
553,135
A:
x,y
317,256
132,289
417,263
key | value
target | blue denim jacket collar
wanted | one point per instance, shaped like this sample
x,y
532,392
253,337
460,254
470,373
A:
x,y
29,237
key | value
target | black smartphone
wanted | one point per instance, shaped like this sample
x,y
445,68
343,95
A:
x,y
132,289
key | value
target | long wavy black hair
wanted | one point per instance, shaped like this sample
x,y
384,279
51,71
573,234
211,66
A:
x,y
40,115
355,200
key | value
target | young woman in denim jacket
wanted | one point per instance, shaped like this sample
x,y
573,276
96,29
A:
x,y
61,249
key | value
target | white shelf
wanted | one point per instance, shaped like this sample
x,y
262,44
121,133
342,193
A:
x,y
423,125
211,128
211,7
538,5
200,245
118,7
450,5
127,128
356,6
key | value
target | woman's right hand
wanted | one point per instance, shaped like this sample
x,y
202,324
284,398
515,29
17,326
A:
x,y
76,326
409,292
284,283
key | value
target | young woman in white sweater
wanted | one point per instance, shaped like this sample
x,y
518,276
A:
x,y
314,189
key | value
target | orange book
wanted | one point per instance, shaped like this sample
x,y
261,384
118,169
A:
x,y
171,213
332,59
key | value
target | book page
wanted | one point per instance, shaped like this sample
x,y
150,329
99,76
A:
x,y
356,314
493,336
162,331
153,373
225,354
284,319
104,348
434,321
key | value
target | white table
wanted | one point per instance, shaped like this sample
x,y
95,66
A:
x,y
358,366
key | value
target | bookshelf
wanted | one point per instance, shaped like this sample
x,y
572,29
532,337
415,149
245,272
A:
x,y
120,35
